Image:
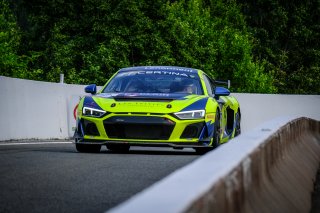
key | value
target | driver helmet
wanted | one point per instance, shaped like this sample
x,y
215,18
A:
x,y
188,86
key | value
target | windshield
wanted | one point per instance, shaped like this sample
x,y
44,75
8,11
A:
x,y
154,82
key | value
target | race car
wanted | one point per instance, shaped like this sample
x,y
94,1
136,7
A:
x,y
157,106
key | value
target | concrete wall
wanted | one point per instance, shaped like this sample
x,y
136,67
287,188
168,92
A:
x,y
42,110
259,108
269,169
36,110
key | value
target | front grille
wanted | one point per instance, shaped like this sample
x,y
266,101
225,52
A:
x,y
192,130
89,128
138,127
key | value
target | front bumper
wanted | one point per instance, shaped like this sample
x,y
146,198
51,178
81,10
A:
x,y
146,144
143,130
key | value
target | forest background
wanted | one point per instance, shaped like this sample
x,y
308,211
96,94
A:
x,y
262,46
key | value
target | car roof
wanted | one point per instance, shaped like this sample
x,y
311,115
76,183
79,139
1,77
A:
x,y
160,68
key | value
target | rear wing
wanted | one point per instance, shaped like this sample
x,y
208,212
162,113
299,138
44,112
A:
x,y
227,82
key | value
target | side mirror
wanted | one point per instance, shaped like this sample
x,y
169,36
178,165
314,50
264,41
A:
x,y
92,88
221,91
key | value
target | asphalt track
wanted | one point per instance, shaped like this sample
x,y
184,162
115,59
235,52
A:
x,y
53,177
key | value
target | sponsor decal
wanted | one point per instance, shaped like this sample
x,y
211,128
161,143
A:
x,y
160,68
143,95
159,72
210,116
184,69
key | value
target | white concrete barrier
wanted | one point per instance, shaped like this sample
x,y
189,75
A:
x,y
268,169
42,110
259,108
36,110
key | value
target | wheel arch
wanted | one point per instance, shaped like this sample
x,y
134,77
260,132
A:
x,y
239,111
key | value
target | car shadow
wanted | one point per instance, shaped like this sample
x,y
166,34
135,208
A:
x,y
133,151
152,152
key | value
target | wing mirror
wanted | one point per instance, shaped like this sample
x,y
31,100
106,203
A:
x,y
221,91
92,88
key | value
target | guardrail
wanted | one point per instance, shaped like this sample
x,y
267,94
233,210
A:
x,y
269,169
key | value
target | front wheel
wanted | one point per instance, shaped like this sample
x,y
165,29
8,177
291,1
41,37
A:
x,y
88,148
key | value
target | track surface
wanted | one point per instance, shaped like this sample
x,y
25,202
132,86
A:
x,y
55,178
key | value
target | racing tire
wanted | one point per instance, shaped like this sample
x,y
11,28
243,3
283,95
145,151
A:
x,y
119,148
238,126
88,148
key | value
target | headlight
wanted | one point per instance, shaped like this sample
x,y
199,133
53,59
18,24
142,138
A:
x,y
195,114
87,111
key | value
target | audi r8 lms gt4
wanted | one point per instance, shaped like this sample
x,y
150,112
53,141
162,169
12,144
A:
x,y
157,106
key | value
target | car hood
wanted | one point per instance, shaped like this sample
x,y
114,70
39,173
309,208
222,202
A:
x,y
149,102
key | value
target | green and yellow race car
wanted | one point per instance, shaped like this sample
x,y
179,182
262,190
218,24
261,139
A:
x,y
157,106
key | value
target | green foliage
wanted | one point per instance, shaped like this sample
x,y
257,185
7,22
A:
x,y
89,40
11,64
213,37
287,38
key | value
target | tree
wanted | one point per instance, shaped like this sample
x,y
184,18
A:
x,y
11,63
213,36
287,38
88,40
